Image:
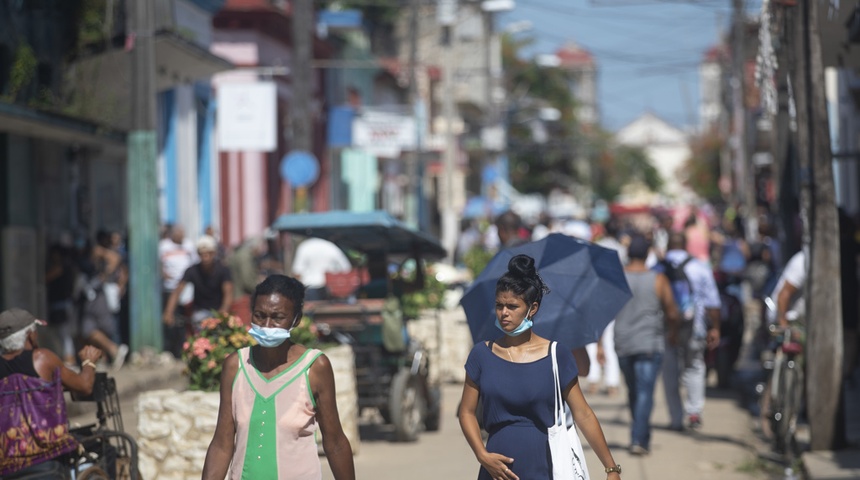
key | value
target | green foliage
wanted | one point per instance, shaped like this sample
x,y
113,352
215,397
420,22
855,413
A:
x,y
305,333
538,167
432,296
23,71
620,165
204,352
476,259
91,26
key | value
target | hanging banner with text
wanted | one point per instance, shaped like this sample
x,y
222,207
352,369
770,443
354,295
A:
x,y
384,134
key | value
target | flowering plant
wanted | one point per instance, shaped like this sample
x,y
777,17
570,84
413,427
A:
x,y
205,351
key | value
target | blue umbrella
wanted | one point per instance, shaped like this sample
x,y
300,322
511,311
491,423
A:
x,y
587,289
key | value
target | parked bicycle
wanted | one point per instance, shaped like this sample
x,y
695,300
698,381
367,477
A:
x,y
782,398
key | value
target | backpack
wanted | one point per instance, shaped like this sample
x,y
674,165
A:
x,y
682,290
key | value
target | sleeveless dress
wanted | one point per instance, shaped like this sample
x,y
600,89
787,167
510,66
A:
x,y
275,422
518,406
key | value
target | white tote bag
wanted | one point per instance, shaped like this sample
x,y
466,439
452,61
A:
x,y
568,461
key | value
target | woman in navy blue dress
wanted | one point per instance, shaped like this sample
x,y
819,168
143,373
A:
x,y
512,378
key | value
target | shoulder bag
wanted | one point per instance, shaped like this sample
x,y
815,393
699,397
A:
x,y
568,460
34,426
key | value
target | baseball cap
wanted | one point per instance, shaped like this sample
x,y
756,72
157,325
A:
x,y
16,319
207,244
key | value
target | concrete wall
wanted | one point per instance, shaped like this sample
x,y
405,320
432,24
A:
x,y
446,336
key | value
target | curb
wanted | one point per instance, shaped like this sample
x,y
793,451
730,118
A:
x,y
132,380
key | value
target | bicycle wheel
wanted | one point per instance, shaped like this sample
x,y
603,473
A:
x,y
765,411
786,417
771,400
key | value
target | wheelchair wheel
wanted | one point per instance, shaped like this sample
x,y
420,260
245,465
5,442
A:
x,y
124,469
93,473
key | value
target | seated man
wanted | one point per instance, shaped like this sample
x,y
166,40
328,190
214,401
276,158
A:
x,y
25,366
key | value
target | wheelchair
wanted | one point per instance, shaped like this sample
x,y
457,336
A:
x,y
104,452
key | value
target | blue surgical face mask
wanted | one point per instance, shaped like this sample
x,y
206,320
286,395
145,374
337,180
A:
x,y
269,337
524,325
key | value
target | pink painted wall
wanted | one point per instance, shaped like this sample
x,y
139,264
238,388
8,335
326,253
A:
x,y
244,175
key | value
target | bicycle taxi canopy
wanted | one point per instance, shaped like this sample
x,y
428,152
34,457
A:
x,y
371,232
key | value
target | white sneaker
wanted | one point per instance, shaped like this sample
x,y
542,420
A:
x,y
119,359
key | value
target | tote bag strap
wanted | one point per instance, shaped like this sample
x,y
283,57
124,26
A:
x,y
559,399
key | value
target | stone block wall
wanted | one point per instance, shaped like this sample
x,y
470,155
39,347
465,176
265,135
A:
x,y
445,335
175,428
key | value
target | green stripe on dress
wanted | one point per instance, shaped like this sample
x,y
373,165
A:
x,y
261,454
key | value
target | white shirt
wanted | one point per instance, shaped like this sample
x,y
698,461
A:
x,y
705,292
175,259
610,242
314,257
795,274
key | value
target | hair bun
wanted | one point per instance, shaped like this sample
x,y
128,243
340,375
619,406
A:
x,y
522,266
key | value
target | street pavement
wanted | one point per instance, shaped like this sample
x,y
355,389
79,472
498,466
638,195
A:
x,y
725,447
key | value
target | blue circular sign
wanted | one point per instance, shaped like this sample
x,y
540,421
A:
x,y
300,168
489,174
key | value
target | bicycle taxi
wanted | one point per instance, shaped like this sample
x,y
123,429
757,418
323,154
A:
x,y
365,311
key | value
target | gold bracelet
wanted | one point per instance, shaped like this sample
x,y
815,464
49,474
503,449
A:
x,y
88,363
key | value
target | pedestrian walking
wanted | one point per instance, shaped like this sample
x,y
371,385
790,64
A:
x,y
601,354
513,378
698,301
98,266
244,267
640,328
176,253
213,286
274,397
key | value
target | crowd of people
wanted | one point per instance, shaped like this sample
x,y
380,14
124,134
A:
x,y
85,284
87,297
679,269
691,272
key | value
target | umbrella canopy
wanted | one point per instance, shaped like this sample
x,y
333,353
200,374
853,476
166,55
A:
x,y
587,289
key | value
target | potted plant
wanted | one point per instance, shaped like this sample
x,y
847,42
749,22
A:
x,y
205,351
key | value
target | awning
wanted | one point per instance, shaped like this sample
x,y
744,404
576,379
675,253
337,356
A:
x,y
19,120
105,78
375,231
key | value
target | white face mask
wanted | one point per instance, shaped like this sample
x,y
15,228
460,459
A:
x,y
526,324
269,337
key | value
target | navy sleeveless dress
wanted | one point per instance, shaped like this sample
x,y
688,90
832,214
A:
x,y
518,406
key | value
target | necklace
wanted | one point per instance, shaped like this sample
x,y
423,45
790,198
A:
x,y
509,354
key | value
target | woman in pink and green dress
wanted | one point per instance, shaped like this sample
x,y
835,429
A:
x,y
274,397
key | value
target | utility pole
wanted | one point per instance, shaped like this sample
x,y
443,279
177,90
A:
x,y
144,277
745,186
823,292
412,158
301,79
450,227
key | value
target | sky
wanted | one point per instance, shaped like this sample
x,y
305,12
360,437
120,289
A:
x,y
647,51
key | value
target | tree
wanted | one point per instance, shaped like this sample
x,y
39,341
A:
x,y
540,152
702,169
542,164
